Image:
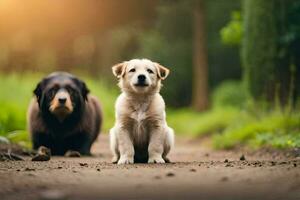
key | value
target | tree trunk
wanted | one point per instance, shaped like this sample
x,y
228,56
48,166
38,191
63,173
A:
x,y
267,72
200,69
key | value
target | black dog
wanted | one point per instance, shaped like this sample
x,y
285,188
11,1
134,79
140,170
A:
x,y
63,116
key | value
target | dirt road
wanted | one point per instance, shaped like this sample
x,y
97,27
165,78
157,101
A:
x,y
197,173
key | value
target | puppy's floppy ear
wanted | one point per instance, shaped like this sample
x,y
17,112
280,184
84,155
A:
x,y
119,69
163,72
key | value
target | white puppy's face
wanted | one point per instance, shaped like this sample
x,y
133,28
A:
x,y
140,75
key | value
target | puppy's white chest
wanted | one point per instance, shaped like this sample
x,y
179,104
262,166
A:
x,y
139,127
139,113
138,116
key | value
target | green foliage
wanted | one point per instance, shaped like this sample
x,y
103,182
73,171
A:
x,y
278,141
259,48
235,120
186,121
230,93
274,129
16,92
11,117
224,60
268,73
292,40
232,33
293,17
20,137
266,53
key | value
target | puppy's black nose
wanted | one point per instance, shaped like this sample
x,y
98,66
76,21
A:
x,y
62,100
141,78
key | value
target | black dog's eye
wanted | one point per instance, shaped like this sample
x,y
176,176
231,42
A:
x,y
72,93
52,92
150,71
70,90
132,70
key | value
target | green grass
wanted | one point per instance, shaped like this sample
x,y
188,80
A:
x,y
276,129
186,121
15,94
231,127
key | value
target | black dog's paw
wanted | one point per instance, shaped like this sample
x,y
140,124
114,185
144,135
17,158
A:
x,y
71,153
43,154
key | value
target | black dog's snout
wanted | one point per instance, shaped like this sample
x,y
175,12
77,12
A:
x,y
141,78
62,100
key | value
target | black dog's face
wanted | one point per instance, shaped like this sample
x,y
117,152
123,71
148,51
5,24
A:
x,y
61,94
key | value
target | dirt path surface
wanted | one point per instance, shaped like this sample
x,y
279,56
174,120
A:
x,y
197,173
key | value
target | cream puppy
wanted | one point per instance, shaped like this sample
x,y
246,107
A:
x,y
141,133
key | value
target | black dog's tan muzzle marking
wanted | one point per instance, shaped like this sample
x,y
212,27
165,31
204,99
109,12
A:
x,y
61,104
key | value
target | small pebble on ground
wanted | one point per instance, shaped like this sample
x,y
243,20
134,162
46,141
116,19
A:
x,y
242,157
170,174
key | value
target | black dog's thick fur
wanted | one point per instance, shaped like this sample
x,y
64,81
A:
x,y
80,128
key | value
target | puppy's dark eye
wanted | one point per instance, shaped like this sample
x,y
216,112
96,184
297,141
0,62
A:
x,y
132,70
150,71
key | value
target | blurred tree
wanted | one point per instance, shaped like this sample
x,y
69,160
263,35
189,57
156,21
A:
x,y
266,65
224,60
200,70
170,41
287,68
292,40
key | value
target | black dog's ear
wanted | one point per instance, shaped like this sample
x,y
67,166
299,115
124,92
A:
x,y
38,91
83,88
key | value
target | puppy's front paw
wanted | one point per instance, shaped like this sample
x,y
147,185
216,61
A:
x,y
125,160
115,159
156,159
